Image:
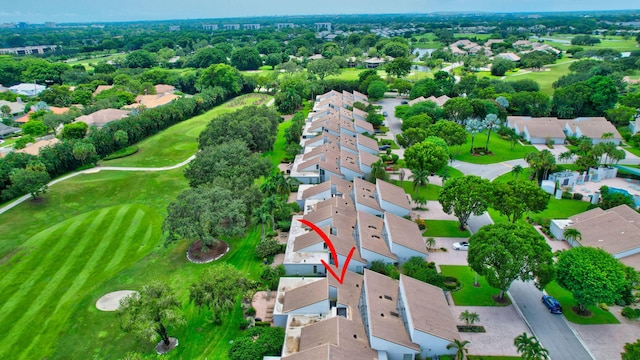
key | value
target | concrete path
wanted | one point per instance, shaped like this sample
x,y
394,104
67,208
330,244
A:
x,y
94,170
488,171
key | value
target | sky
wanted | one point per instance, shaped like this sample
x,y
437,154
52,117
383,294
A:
x,y
40,11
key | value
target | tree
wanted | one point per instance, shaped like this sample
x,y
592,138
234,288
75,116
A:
x,y
427,156
378,172
218,289
273,60
458,109
512,199
592,275
140,59
430,243
461,348
491,122
474,126
83,150
323,68
621,115
465,196
223,75
246,58
150,313
420,178
52,121
572,234
6,111
398,67
452,133
542,163
631,350
205,57
565,156
501,66
517,170
421,121
257,343
34,128
402,86
610,199
31,180
506,252
76,130
468,317
376,89
204,214
530,348
411,136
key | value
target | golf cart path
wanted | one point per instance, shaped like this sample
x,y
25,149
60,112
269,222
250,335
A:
x,y
94,170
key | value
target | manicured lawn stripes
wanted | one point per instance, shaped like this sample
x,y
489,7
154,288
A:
x,y
89,249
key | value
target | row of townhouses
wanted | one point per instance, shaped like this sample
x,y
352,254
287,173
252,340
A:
x,y
368,315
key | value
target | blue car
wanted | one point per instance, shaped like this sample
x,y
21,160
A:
x,y
552,304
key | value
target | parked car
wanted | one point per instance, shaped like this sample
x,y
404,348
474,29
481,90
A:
x,y
384,147
404,102
463,245
389,168
384,113
552,304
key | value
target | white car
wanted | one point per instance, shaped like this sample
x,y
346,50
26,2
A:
x,y
461,246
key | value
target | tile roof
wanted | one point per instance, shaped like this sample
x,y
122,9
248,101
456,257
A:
x,y
404,232
384,320
614,230
305,295
393,194
103,117
429,310
371,238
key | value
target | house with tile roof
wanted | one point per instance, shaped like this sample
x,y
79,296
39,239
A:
x,y
102,117
539,130
616,230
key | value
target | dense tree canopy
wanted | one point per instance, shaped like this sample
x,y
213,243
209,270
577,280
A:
x,y
514,198
465,196
426,156
592,275
506,252
247,58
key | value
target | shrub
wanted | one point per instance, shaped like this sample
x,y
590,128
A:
x,y
128,151
630,312
566,195
421,223
251,311
604,306
577,196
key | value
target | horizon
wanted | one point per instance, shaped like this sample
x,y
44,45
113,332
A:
x,y
73,11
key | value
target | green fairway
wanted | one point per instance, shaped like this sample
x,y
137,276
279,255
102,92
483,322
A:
x,y
501,150
565,298
180,141
60,265
609,42
89,63
470,295
90,235
444,228
546,77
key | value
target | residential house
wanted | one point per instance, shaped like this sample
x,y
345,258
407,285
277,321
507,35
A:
x,y
16,108
595,128
27,89
375,62
8,130
509,56
102,117
616,230
539,130
34,149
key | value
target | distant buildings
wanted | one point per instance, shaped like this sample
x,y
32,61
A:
x,y
174,28
323,26
210,27
27,89
28,50
251,26
231,26
285,26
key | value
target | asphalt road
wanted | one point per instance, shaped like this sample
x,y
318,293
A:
x,y
392,122
551,330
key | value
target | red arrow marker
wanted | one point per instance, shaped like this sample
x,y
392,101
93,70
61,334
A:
x,y
333,252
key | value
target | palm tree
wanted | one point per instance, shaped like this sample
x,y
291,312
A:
x,y
461,348
469,317
517,170
402,175
377,172
261,215
420,178
573,234
530,348
565,156
431,243
474,126
491,123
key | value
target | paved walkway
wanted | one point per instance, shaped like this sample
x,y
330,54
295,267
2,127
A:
x,y
488,171
94,170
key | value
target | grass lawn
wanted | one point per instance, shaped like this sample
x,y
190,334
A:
x,y
469,295
565,298
501,150
545,78
635,151
557,209
180,141
90,235
610,42
89,63
429,192
444,228
280,146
